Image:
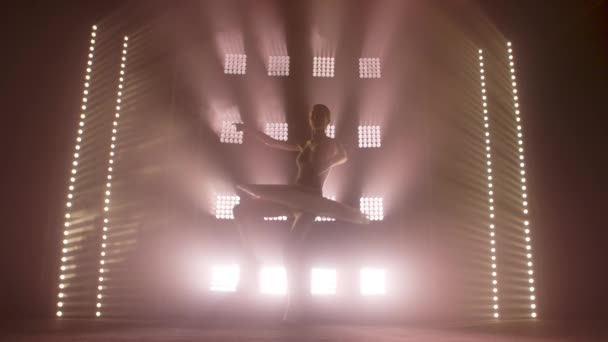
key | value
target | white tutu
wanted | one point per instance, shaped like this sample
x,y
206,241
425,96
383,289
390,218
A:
x,y
304,199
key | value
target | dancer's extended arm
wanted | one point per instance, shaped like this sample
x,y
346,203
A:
x,y
268,141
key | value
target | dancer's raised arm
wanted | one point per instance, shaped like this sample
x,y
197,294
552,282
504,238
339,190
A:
x,y
268,141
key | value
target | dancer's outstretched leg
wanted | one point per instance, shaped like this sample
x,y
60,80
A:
x,y
248,214
298,279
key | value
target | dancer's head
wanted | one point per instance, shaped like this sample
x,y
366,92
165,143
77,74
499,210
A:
x,y
319,117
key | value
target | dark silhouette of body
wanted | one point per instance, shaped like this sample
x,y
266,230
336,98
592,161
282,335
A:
x,y
315,159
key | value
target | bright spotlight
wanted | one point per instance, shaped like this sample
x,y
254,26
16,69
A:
x,y
235,64
229,134
369,136
323,281
369,67
372,207
224,278
224,205
278,66
273,280
277,131
323,66
372,282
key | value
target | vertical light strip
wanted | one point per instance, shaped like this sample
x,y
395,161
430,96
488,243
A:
x,y
486,125
103,268
524,189
71,188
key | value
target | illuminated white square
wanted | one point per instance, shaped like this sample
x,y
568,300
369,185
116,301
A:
x,y
323,66
372,207
235,64
369,136
277,131
273,280
369,67
278,66
372,282
229,134
224,206
224,278
323,281
323,218
330,131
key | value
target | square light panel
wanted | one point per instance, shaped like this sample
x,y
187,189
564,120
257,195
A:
x,y
277,131
229,134
369,137
224,206
323,281
235,64
372,282
369,67
372,207
278,66
323,67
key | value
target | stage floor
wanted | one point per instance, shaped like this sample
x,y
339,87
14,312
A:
x,y
114,331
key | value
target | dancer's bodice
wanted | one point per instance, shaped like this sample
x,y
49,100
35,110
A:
x,y
311,159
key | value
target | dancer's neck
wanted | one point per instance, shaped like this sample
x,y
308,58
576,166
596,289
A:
x,y
317,133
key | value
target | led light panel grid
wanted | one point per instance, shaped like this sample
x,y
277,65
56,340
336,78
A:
x,y
330,131
229,134
235,64
275,218
369,137
323,281
277,131
61,295
369,68
106,209
273,280
224,278
372,282
224,206
323,66
372,207
278,66
488,155
524,194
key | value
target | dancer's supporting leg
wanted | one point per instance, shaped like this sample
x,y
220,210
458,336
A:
x,y
248,214
298,278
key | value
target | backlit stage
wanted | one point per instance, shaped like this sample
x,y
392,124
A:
x,y
425,99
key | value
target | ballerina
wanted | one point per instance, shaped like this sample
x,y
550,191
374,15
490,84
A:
x,y
302,201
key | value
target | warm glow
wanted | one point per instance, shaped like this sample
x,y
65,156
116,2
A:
x,y
372,282
224,278
273,280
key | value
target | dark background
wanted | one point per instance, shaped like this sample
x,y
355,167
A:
x,y
562,51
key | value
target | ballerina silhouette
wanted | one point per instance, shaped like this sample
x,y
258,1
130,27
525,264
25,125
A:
x,y
301,202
